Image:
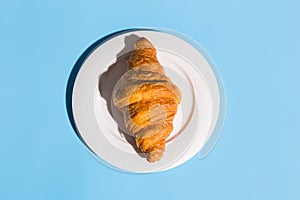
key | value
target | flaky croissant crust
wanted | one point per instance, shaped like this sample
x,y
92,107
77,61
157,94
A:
x,y
148,100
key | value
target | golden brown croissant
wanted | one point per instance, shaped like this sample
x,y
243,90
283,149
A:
x,y
148,100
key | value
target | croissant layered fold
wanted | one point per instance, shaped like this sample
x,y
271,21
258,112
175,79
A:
x,y
148,100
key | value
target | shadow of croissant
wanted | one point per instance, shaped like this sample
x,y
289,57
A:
x,y
75,70
107,82
73,75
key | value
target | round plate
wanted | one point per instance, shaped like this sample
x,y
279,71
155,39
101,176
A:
x,y
99,124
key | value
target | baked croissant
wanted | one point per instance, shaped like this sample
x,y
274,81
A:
x,y
148,100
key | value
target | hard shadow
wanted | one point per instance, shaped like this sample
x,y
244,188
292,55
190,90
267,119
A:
x,y
113,72
74,72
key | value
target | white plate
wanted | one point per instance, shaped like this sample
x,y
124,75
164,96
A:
x,y
199,112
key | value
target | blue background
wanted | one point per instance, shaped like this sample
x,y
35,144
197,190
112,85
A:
x,y
256,47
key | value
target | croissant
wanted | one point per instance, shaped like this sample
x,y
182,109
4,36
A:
x,y
148,100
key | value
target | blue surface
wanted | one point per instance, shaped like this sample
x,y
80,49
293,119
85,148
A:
x,y
256,47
